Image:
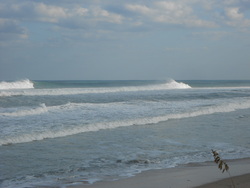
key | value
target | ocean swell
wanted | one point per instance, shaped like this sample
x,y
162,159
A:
x,y
81,128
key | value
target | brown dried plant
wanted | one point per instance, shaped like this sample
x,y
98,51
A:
x,y
222,165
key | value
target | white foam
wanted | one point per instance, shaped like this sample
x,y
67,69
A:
x,y
72,130
25,112
171,84
21,84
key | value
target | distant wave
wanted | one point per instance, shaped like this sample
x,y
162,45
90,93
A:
x,y
171,84
21,84
230,107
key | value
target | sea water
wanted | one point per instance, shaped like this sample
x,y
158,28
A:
x,y
57,133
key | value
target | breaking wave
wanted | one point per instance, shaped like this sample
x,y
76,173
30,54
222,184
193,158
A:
x,y
171,84
21,84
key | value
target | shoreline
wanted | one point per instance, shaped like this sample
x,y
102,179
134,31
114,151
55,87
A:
x,y
202,175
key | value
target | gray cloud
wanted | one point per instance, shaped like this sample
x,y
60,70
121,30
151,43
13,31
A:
x,y
11,30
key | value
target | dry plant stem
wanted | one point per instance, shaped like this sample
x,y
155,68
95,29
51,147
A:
x,y
222,165
231,179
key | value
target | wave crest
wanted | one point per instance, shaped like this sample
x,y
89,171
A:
x,y
170,84
21,84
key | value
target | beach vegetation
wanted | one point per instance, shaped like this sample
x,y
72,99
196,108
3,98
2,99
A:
x,y
222,165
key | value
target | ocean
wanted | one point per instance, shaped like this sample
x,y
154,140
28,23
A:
x,y
60,133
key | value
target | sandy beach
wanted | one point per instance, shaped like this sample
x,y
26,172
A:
x,y
202,175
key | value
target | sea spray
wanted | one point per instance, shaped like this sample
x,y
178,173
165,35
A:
x,y
21,84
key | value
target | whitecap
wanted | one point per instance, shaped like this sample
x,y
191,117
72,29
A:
x,y
20,84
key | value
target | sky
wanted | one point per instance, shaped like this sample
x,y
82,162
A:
x,y
124,40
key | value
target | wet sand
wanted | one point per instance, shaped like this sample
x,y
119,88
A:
x,y
202,175
242,181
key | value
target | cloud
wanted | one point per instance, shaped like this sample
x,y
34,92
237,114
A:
x,y
142,9
49,13
35,11
94,14
10,30
233,13
80,11
235,18
170,12
18,17
103,15
98,17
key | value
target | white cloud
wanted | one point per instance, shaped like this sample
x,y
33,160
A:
x,y
78,15
81,21
103,15
179,9
80,11
142,9
235,18
50,13
36,11
233,13
170,12
138,15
